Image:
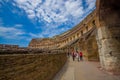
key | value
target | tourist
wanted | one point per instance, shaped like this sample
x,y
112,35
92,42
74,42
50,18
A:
x,y
73,55
68,54
77,56
81,55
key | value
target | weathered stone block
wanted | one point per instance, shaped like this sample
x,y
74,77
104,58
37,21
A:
x,y
103,33
109,50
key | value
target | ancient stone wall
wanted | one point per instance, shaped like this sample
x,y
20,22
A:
x,y
89,48
109,48
30,66
108,34
92,49
83,47
8,46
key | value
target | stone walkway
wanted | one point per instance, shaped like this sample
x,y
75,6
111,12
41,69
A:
x,y
84,70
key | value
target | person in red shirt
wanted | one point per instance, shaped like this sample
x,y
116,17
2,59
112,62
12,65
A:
x,y
81,55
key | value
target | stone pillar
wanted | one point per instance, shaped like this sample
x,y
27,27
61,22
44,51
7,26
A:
x,y
108,34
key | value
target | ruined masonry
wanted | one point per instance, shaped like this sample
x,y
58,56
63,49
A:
x,y
97,36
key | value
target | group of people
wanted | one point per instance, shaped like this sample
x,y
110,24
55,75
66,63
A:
x,y
76,54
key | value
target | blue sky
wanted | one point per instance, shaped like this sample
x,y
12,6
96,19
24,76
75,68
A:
x,y
22,20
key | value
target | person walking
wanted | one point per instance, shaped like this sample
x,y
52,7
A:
x,y
73,55
81,55
68,54
77,56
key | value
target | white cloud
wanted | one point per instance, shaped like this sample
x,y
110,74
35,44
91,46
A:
x,y
18,26
35,35
91,3
54,10
21,1
74,8
55,13
11,32
49,32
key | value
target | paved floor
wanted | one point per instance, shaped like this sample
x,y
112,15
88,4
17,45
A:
x,y
84,70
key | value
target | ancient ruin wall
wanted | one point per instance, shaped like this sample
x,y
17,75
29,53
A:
x,y
92,49
30,66
108,34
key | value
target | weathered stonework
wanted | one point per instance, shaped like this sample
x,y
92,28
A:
x,y
6,46
109,49
108,34
31,66
42,43
106,19
62,40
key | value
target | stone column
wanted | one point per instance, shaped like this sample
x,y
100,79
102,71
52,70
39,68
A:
x,y
108,34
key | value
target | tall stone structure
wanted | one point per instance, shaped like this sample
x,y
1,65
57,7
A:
x,y
97,36
108,34
42,43
67,38
80,38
